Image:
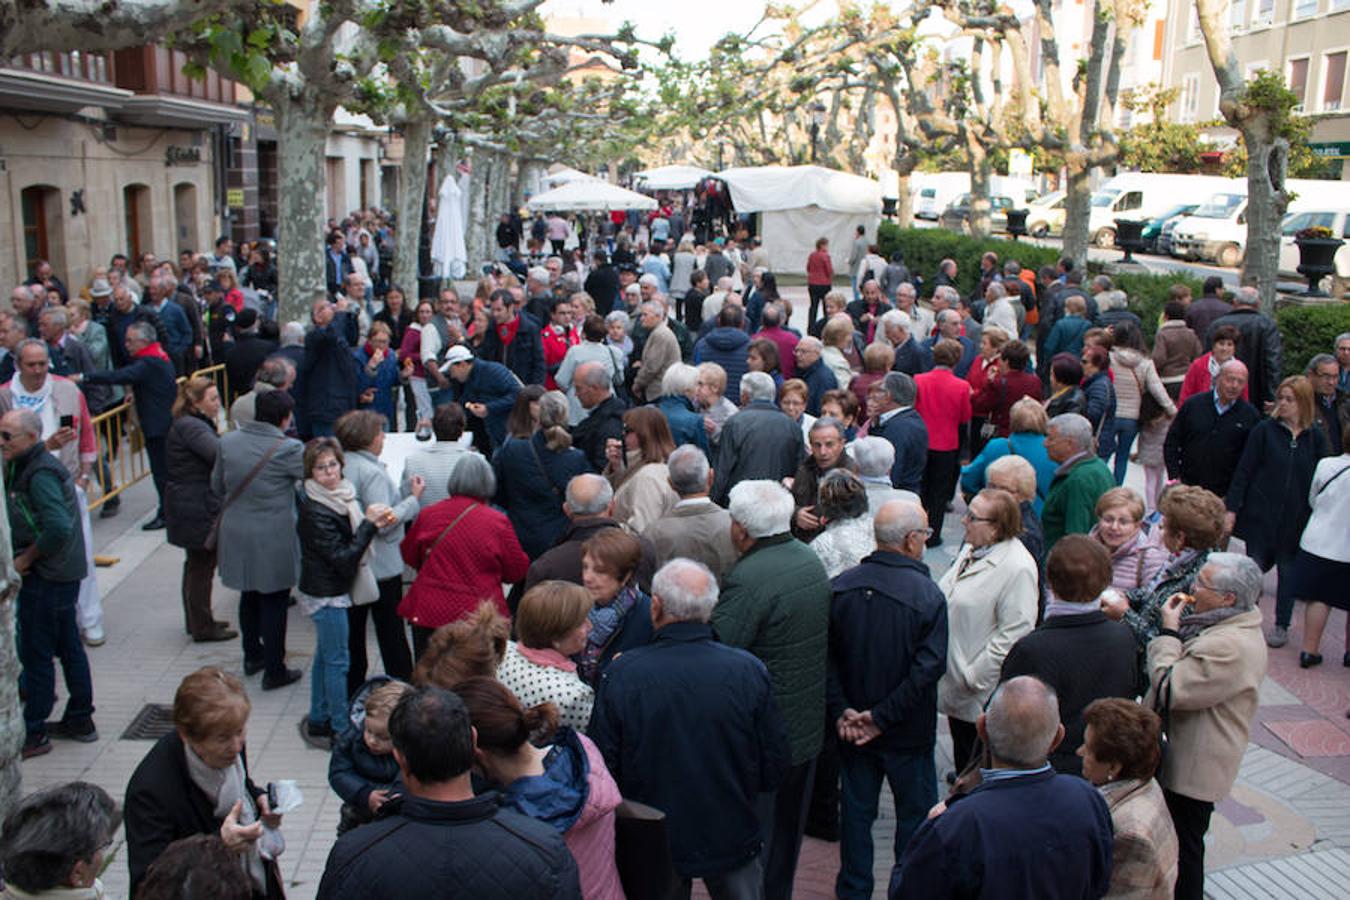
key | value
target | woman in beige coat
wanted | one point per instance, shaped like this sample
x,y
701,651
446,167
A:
x,y
992,598
637,469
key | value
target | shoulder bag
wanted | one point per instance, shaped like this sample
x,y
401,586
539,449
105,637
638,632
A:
x,y
213,536
538,460
436,543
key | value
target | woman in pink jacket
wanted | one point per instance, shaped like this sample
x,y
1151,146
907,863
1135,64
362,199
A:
x,y
552,774
1136,555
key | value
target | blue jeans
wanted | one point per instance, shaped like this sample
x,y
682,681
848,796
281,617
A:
x,y
1118,439
47,631
913,781
328,679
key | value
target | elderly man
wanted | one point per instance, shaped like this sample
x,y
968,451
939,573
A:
x,y
812,369
760,441
949,328
1343,359
907,302
447,329
992,841
594,388
713,303
277,373
176,329
328,371
727,345
875,458
487,392
49,552
151,376
679,391
695,528
539,290
911,356
1114,309
1205,670
827,440
868,309
711,398
1079,482
776,604
660,351
1259,347
890,403
888,648
514,339
1205,440
588,503
689,725
465,844
28,303
998,310
1332,405
45,278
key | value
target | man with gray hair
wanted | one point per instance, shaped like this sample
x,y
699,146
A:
x,y
1113,309
1079,482
679,392
776,604
760,441
593,383
277,373
589,506
1259,346
991,841
875,456
539,290
695,528
912,355
1206,665
660,350
1342,347
176,328
1332,404
688,725
890,403
888,649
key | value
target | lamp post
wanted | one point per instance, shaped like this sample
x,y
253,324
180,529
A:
x,y
817,120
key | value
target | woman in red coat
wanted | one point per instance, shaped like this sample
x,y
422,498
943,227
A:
x,y
463,550
1009,382
944,405
1200,376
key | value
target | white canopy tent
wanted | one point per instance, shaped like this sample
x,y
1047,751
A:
x,y
670,178
565,175
799,204
590,195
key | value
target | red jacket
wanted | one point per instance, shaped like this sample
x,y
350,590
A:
x,y
555,348
944,406
819,268
1197,380
468,566
996,398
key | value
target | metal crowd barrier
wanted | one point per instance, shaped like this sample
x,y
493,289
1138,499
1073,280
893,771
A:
x,y
121,444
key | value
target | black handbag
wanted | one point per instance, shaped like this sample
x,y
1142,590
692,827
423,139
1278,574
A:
x,y
642,853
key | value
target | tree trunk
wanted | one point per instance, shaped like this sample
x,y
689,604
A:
x,y
1078,208
302,129
412,189
12,729
475,229
904,204
980,171
1267,164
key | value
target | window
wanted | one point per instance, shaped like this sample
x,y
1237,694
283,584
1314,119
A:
x,y
1131,200
1298,81
1237,15
1190,96
1264,12
1304,8
1335,80
1338,5
42,226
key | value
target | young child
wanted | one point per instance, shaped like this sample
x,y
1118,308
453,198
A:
x,y
362,770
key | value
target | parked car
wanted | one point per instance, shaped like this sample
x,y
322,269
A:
x,y
1165,246
1153,231
1045,215
1143,195
957,216
1218,229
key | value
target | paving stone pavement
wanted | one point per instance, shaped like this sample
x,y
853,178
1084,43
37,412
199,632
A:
x,y
1283,831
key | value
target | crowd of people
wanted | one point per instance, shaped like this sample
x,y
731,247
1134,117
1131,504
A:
x,y
657,566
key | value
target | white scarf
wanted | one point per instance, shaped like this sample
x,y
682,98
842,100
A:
x,y
225,787
342,500
37,402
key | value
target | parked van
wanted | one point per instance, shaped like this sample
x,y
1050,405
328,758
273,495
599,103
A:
x,y
1217,231
1143,195
1338,220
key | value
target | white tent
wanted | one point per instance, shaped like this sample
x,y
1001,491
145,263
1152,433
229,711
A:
x,y
802,203
590,195
670,178
565,175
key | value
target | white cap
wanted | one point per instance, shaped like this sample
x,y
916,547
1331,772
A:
x,y
456,354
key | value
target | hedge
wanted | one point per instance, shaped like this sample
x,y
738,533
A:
x,y
1306,331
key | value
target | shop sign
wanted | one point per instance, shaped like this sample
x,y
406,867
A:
x,y
234,198
182,156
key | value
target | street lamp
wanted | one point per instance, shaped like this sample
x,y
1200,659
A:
x,y
817,120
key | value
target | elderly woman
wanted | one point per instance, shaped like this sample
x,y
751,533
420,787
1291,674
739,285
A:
x,y
361,433
792,397
533,471
1136,554
844,511
842,405
1027,423
992,598
616,334
620,618
1016,476
92,334
637,469
1007,383
195,780
552,625
463,550
875,457
1120,753
56,843
877,359
190,505
1191,527
1066,373
1205,667
548,773
1077,649
839,352
1201,375
1322,568
335,536
984,370
835,303
256,471
1267,500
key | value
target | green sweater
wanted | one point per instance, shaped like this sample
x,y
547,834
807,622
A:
x,y
775,603
1071,505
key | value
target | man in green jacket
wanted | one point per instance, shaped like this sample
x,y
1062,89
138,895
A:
x,y
776,604
1079,482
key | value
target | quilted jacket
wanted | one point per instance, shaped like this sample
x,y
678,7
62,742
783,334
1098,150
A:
x,y
776,603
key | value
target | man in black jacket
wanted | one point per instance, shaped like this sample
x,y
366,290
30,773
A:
x,y
1205,440
589,506
438,839
328,372
243,357
604,412
1259,346
891,403
603,285
760,441
513,340
1202,313
888,649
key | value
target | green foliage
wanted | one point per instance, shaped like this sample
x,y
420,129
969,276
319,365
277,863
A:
x,y
1159,145
1148,294
1308,330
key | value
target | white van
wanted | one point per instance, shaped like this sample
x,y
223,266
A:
x,y
1143,195
1338,220
1218,229
936,191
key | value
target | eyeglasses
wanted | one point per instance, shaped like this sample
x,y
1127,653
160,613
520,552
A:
x,y
971,517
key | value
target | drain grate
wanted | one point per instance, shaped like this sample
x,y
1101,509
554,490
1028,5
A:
x,y
153,722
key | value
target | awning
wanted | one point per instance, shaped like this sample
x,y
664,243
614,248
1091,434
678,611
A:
x,y
589,195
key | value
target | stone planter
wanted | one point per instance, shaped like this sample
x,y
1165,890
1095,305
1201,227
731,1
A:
x,y
1317,260
1130,237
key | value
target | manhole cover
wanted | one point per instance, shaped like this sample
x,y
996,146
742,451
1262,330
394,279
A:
x,y
153,722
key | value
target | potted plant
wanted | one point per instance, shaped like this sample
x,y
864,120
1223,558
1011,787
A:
x,y
1317,247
